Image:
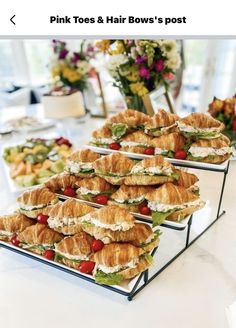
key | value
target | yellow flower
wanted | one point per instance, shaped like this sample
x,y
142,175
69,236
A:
x,y
139,89
133,75
71,74
119,48
103,45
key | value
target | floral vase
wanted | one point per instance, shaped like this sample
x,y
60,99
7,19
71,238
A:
x,y
135,102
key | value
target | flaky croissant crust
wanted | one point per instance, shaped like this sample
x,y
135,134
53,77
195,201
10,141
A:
x,y
113,214
185,179
15,223
130,117
103,132
39,234
84,156
130,192
173,141
79,244
37,196
161,119
61,181
138,136
71,208
114,163
96,183
200,120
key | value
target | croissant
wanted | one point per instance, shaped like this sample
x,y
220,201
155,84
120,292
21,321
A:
x,y
79,244
103,132
97,184
116,254
133,149
173,141
13,224
84,156
142,265
36,197
169,193
161,123
200,120
125,193
186,179
130,117
113,167
112,215
137,235
39,234
136,137
60,181
216,143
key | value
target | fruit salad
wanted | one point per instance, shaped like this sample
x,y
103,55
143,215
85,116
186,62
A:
x,y
36,160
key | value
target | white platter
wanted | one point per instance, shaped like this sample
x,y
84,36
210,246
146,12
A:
x,y
198,165
171,224
125,286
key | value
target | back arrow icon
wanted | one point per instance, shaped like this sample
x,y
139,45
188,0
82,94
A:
x,y
11,19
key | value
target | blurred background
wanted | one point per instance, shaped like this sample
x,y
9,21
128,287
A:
x,y
208,69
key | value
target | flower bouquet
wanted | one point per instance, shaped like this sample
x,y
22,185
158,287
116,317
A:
x,y
71,69
225,111
140,66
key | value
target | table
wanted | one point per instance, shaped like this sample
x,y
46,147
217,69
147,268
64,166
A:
x,y
193,292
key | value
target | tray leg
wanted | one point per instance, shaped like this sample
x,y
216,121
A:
x,y
188,231
218,215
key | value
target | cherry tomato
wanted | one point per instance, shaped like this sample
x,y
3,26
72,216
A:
x,y
69,191
63,141
41,218
149,151
49,254
180,154
114,146
15,241
86,267
145,210
234,124
101,199
97,245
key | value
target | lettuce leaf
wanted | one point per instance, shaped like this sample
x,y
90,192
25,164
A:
x,y
118,130
87,224
202,134
159,217
149,258
58,258
87,170
108,278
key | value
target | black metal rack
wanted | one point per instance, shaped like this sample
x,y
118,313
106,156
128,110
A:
x,y
144,278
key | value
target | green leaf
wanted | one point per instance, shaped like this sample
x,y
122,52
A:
x,y
149,258
87,224
175,176
159,217
87,170
108,278
118,130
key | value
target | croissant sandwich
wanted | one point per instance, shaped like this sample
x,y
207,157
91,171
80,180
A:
x,y
137,139
166,145
125,121
89,188
80,163
13,224
58,183
200,126
172,202
110,217
118,262
34,201
113,168
140,235
102,137
38,238
161,123
65,217
213,151
151,171
187,180
129,197
74,249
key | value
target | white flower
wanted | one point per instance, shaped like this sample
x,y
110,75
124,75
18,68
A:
x,y
134,53
169,47
174,62
115,61
83,67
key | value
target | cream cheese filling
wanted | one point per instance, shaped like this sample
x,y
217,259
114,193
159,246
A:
x,y
130,201
159,207
152,170
159,151
75,167
188,128
106,141
162,129
26,246
80,257
6,233
123,226
206,151
116,268
62,222
85,191
133,144
31,207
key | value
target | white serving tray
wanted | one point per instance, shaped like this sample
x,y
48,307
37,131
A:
x,y
171,224
216,167
125,286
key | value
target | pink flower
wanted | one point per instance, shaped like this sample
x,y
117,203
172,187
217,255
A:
x,y
63,53
75,58
159,65
168,76
145,73
141,59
